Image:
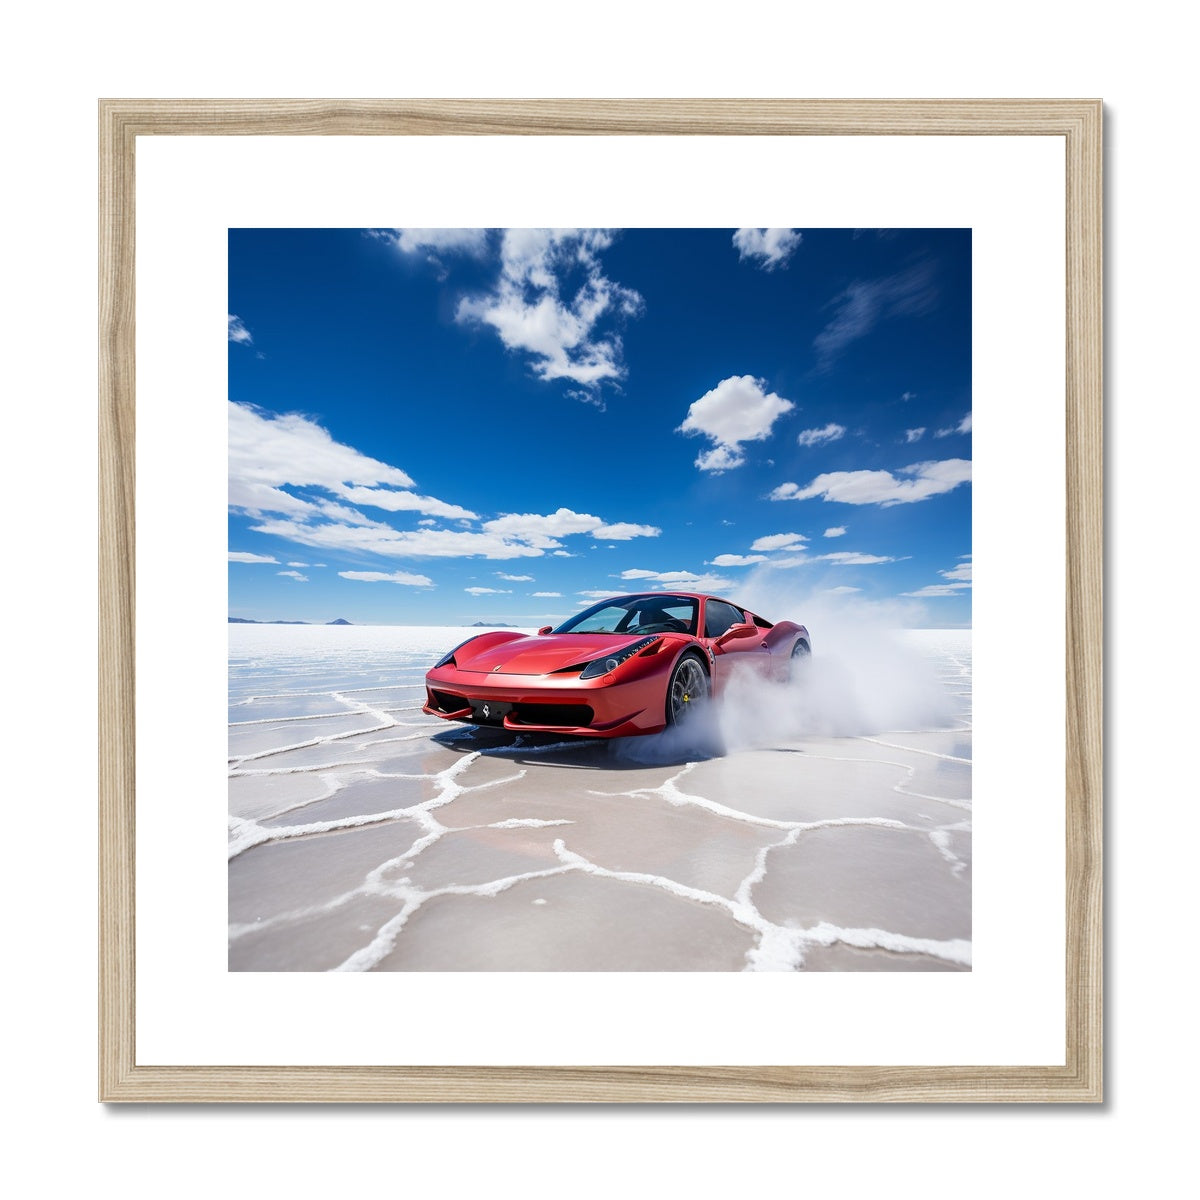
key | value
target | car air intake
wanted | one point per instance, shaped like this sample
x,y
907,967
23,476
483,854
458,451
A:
x,y
564,715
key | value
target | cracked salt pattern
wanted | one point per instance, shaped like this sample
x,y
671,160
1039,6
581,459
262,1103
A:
x,y
823,825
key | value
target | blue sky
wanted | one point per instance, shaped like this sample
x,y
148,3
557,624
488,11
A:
x,y
446,426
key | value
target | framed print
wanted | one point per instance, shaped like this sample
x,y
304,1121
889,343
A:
x,y
514,388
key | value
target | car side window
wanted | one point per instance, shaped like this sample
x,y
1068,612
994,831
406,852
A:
x,y
684,613
718,617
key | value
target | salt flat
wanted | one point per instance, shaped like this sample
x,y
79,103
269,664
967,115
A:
x,y
820,825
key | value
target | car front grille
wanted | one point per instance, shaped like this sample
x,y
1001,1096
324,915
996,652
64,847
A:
x,y
564,715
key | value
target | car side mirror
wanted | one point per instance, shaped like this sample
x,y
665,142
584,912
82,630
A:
x,y
545,629
736,632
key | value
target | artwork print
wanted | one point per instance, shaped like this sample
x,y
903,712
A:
x,y
574,461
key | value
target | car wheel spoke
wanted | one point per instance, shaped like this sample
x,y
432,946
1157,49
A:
x,y
689,686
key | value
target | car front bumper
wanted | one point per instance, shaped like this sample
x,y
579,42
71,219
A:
x,y
544,705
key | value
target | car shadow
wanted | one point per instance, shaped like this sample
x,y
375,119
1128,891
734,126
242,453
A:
x,y
697,742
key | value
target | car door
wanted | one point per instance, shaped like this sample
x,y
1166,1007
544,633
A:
x,y
730,652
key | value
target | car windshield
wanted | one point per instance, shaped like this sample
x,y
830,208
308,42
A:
x,y
655,613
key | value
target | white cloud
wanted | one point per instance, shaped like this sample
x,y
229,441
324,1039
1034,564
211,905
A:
x,y
835,531
238,331
865,303
695,583
815,437
720,458
914,435
687,581
244,556
384,577
779,541
267,452
882,487
622,531
840,591
394,501
594,595
677,577
737,410
473,242
964,426
297,564
515,578
528,310
737,560
376,538
294,575
484,591
959,577
341,512
938,589
544,530
547,595
850,558
768,248
261,498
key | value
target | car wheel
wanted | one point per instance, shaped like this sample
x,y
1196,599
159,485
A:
x,y
687,690
800,656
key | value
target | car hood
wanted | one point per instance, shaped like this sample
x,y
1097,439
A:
x,y
541,655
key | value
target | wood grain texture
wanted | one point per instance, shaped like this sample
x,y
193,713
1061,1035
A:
x,y
1078,123
1085,611
116,599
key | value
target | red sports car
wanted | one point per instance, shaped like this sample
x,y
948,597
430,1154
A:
x,y
627,665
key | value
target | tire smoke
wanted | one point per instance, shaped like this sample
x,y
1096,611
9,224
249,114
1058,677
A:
x,y
865,677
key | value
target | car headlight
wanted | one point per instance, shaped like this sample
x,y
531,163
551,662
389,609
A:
x,y
610,662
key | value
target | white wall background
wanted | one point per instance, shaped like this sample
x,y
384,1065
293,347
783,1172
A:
x,y
57,62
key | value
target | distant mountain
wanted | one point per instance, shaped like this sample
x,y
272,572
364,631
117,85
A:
x,y
492,625
248,621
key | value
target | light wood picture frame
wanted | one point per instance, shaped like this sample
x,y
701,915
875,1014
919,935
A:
x,y
1078,123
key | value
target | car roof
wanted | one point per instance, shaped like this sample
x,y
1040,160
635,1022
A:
x,y
685,595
